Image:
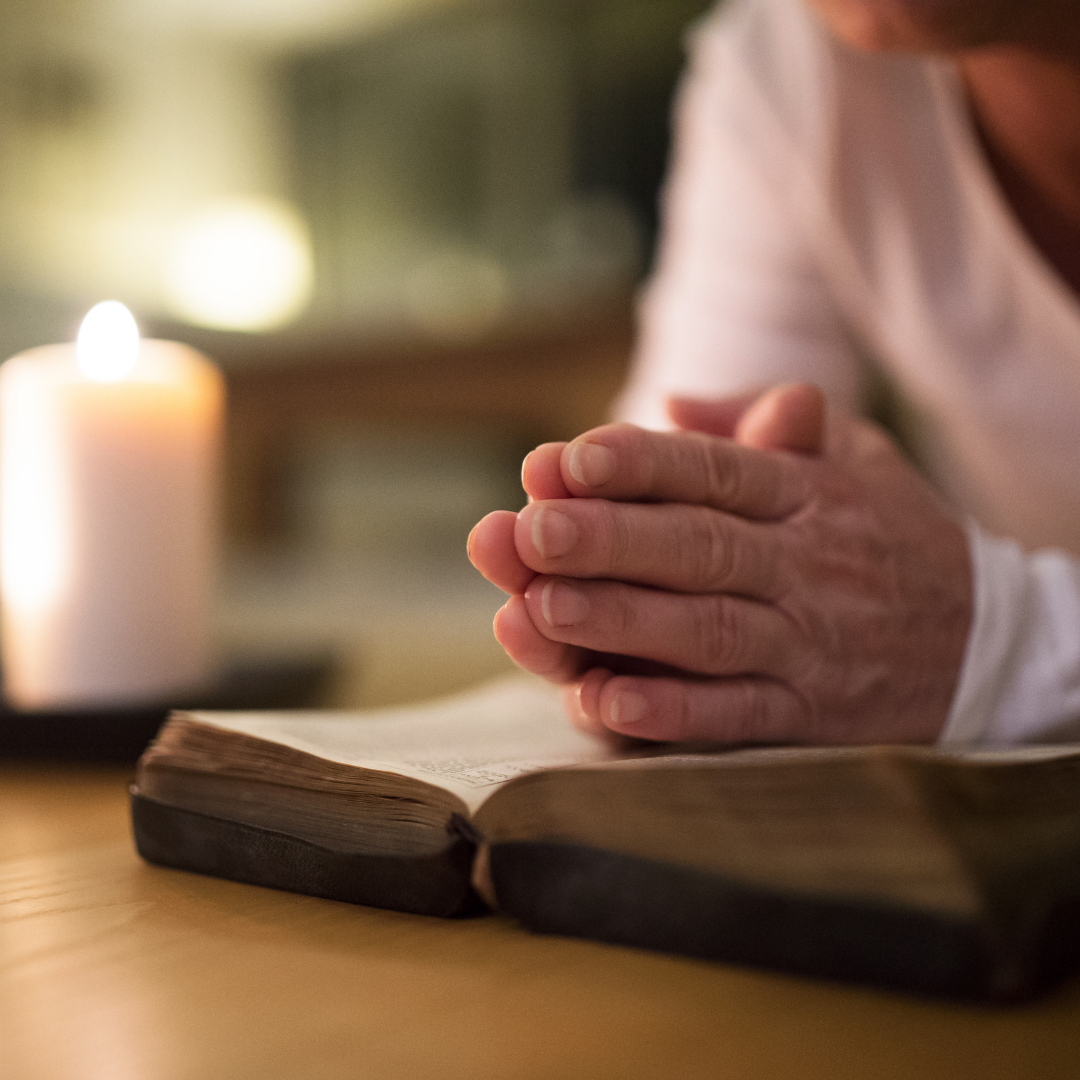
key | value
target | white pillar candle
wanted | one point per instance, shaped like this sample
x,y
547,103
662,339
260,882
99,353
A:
x,y
108,473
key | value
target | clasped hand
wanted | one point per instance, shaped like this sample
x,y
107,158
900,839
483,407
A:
x,y
766,577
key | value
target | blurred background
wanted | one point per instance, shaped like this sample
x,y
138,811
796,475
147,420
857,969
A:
x,y
410,232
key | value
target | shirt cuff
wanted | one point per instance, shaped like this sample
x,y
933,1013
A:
x,y
999,574
1020,677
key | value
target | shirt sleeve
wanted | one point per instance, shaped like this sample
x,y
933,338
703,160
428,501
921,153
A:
x,y
735,301
1020,679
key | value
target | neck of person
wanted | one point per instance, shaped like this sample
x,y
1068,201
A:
x,y
1026,105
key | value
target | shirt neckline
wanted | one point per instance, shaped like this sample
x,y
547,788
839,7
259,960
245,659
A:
x,y
977,174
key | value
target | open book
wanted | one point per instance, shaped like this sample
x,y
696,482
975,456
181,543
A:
x,y
943,873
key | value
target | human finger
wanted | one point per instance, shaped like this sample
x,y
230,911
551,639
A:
x,y
730,710
691,549
588,698
529,649
581,700
541,476
555,660
575,713
630,464
493,552
706,635
575,706
719,416
789,417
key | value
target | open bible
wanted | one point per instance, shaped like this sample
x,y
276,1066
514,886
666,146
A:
x,y
945,873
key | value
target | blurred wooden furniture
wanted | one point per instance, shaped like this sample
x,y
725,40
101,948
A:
x,y
113,969
543,384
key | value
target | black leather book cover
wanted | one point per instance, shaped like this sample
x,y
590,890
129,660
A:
x,y
184,840
578,891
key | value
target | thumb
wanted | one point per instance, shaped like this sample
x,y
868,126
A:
x,y
717,417
789,417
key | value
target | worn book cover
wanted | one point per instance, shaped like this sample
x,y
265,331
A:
x,y
936,872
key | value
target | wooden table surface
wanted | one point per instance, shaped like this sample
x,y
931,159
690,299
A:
x,y
114,970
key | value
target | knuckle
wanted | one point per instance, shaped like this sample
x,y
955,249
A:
x,y
693,551
626,619
717,640
723,474
685,716
635,451
702,554
736,710
718,553
615,622
751,715
615,542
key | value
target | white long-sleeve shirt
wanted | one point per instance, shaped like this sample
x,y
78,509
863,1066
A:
x,y
831,212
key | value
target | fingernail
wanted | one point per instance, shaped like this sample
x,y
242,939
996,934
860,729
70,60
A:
x,y
572,704
562,604
591,464
628,708
553,533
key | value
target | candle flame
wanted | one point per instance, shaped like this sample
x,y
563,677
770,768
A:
x,y
107,347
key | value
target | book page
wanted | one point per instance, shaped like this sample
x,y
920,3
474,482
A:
x,y
693,757
470,744
474,743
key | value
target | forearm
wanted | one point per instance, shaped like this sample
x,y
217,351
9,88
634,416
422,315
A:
x,y
737,300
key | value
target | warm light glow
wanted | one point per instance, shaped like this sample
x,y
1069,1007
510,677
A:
x,y
107,348
35,560
240,265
